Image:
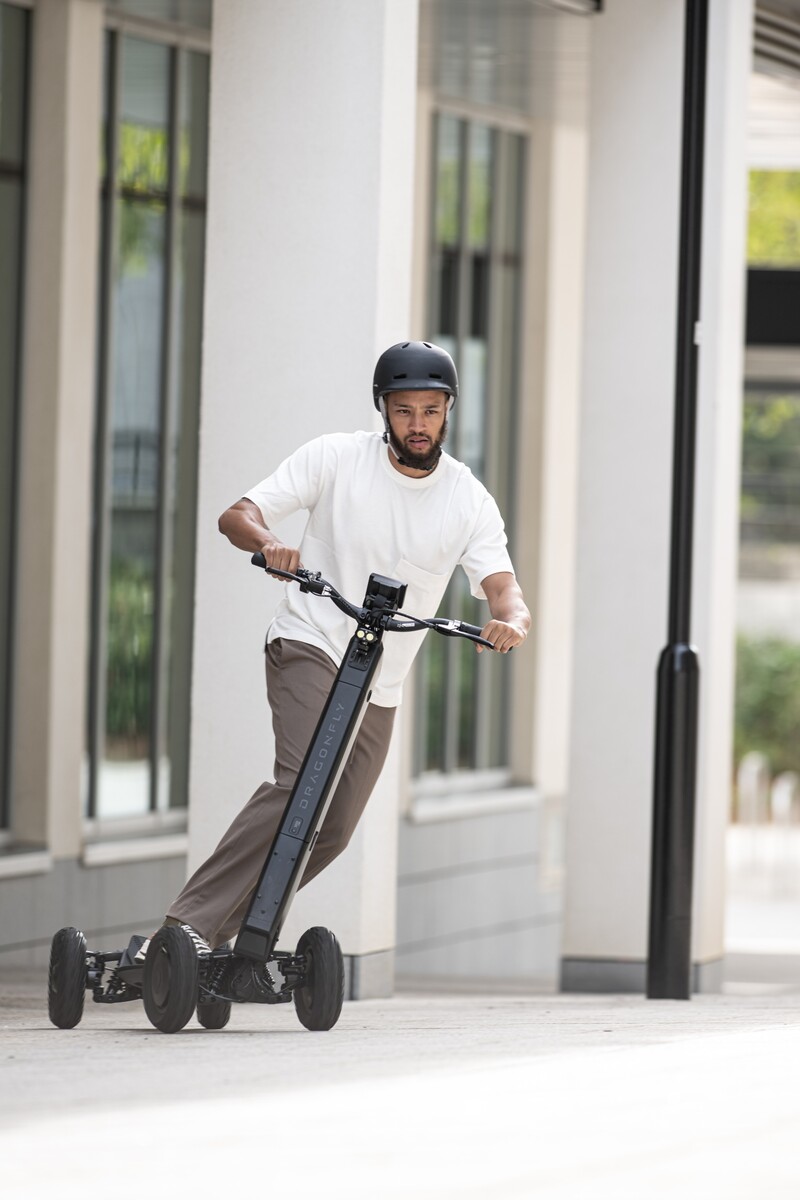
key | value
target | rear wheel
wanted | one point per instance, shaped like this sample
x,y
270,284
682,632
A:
x,y
318,1000
170,979
214,1014
66,981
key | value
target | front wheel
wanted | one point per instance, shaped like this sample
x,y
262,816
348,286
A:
x,y
170,979
66,980
318,1000
214,1014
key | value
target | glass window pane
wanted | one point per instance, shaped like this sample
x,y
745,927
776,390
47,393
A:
x,y
480,175
144,116
448,180
773,232
475,285
497,684
191,13
511,166
180,523
767,706
770,487
138,320
472,406
10,236
149,422
467,706
432,708
124,777
193,120
447,263
13,65
107,104
14,27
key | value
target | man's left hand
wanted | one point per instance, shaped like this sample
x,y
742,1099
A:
x,y
503,637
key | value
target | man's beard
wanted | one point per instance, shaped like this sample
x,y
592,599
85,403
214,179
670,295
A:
x,y
419,461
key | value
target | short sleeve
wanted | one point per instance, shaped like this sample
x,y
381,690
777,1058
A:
x,y
297,483
486,551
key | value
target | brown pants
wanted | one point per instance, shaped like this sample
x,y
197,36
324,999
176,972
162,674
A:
x,y
299,678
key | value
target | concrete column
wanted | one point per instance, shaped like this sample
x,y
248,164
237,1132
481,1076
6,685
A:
x,y
58,397
625,478
308,277
550,408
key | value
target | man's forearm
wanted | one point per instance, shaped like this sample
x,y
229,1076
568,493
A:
x,y
509,607
243,525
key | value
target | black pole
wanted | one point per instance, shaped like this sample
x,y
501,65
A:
x,y
669,949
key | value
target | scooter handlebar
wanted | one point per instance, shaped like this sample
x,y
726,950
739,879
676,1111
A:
x,y
475,630
258,560
311,581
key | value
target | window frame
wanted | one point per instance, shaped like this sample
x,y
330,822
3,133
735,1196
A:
x,y
18,172
178,42
486,777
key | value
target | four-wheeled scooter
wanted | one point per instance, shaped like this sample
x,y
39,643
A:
x,y
175,980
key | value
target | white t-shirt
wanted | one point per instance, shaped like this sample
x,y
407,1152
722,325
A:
x,y
364,517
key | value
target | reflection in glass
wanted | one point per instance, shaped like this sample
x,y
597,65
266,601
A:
x,y
479,183
773,227
770,487
13,62
472,405
448,180
144,116
193,124
446,252
192,13
133,539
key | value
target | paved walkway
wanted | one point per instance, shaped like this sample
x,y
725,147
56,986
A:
x,y
423,1096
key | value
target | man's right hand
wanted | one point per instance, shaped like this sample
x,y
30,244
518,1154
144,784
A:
x,y
281,557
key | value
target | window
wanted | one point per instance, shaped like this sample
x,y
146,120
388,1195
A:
x,y
14,35
475,280
770,495
151,261
773,230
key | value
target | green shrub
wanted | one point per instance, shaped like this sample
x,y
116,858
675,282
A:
x,y
129,652
767,715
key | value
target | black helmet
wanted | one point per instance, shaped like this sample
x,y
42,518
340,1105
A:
x,y
414,367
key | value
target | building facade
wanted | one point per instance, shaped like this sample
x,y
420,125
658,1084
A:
x,y
211,224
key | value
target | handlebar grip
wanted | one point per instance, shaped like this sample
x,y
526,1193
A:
x,y
259,561
475,630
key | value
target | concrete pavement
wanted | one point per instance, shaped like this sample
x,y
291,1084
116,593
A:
x,y
426,1095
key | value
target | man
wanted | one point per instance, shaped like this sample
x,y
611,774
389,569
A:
x,y
393,504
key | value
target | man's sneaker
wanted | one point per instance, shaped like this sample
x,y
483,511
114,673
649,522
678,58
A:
x,y
200,944
141,953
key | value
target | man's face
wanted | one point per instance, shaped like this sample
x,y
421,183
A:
x,y
418,421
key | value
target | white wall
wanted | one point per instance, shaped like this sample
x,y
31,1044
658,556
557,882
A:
x,y
625,472
307,279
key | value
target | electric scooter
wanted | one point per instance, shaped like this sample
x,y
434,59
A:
x,y
175,981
